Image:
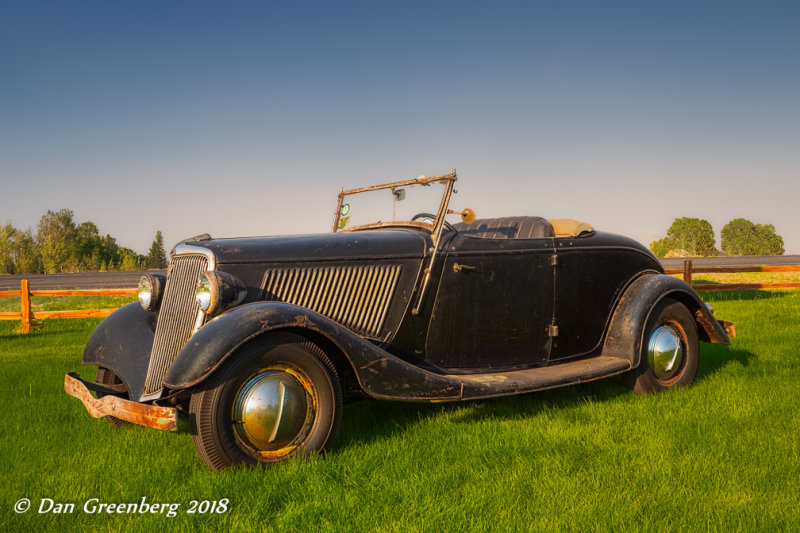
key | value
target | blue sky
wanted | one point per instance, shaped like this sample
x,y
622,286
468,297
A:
x,y
245,118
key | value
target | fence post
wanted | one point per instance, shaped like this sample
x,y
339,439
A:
x,y
25,312
687,271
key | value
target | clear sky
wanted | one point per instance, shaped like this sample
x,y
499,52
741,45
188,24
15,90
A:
x,y
245,118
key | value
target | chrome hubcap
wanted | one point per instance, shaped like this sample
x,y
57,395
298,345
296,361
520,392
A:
x,y
273,410
665,352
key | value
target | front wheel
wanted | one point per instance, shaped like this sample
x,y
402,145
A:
x,y
670,350
279,397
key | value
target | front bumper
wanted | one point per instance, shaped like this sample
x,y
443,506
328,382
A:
x,y
729,328
142,414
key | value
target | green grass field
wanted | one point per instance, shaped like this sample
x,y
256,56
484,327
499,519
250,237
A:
x,y
721,455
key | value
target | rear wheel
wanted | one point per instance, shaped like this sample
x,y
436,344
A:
x,y
670,350
279,397
107,377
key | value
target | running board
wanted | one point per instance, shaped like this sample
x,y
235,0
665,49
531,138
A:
x,y
477,386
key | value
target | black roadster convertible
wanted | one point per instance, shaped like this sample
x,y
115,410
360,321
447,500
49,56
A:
x,y
260,340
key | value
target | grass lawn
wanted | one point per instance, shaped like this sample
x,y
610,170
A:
x,y
721,455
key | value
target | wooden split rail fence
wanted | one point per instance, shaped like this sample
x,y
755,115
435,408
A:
x,y
689,269
26,316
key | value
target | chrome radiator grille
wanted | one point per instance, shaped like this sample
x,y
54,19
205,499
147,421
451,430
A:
x,y
176,317
357,297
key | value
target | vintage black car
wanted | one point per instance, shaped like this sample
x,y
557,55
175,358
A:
x,y
261,340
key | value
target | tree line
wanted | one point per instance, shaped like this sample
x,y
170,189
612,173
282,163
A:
x,y
60,245
695,237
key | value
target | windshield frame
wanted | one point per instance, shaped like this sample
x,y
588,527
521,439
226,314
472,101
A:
x,y
435,227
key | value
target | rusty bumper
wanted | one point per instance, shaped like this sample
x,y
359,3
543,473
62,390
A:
x,y
729,328
136,413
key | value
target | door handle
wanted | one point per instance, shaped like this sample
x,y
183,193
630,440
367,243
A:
x,y
458,268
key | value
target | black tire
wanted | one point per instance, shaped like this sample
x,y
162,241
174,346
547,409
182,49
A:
x,y
283,362
671,324
107,377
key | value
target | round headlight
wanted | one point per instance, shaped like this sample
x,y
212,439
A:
x,y
217,291
203,294
150,289
145,292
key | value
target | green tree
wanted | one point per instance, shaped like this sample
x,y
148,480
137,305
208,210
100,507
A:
x,y
742,237
6,259
157,257
62,246
19,253
131,261
57,239
112,253
662,247
90,250
694,235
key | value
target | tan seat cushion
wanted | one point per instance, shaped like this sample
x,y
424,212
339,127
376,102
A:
x,y
567,227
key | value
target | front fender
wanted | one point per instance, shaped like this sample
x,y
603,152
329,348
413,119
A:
x,y
379,373
122,343
626,331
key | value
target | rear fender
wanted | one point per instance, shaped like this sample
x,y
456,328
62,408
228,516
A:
x,y
379,373
122,343
625,333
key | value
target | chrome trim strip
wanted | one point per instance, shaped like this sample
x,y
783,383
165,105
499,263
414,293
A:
x,y
186,249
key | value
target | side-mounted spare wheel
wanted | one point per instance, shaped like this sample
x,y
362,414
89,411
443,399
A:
x,y
670,349
276,398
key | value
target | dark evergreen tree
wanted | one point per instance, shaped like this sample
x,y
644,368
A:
x,y
157,257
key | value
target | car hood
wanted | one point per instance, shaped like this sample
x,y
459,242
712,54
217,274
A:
x,y
376,243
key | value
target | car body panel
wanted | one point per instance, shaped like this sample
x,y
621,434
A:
x,y
590,276
122,343
384,243
479,320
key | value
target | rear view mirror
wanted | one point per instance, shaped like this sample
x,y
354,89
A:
x,y
468,216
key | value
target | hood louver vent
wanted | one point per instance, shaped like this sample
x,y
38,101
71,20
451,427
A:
x,y
357,297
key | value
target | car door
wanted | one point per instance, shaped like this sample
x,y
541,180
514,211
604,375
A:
x,y
493,305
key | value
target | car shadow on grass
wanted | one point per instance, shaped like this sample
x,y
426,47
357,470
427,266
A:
x,y
715,356
745,295
372,420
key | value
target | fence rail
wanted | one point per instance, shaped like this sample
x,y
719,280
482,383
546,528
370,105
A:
x,y
26,315
688,270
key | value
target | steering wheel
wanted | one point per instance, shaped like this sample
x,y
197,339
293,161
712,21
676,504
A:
x,y
433,217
